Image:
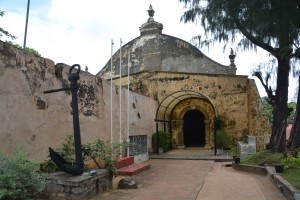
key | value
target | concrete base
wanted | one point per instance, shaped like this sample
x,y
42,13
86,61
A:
x,y
140,158
63,186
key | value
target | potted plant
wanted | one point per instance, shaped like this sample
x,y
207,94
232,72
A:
x,y
279,167
233,152
164,141
222,140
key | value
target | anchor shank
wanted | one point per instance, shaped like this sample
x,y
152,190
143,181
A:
x,y
76,127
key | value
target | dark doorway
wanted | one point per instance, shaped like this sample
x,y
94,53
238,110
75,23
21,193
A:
x,y
194,129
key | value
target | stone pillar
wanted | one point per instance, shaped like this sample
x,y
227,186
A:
x,y
177,134
207,134
180,133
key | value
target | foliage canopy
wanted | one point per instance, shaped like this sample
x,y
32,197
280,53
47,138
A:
x,y
5,32
261,23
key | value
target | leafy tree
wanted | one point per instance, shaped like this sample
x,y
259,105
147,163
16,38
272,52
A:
x,y
266,74
292,115
268,108
273,25
5,32
294,140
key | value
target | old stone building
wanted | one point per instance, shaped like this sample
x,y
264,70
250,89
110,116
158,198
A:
x,y
174,87
192,90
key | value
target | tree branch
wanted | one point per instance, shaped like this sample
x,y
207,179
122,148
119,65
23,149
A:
x,y
253,39
296,54
268,89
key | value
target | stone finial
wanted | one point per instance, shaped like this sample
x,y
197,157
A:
x,y
151,13
151,26
86,68
231,68
231,58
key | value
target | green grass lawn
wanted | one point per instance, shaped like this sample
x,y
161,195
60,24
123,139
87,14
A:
x,y
266,158
262,158
292,176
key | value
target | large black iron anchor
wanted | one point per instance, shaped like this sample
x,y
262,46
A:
x,y
78,166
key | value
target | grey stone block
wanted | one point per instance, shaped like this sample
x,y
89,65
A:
x,y
248,147
250,139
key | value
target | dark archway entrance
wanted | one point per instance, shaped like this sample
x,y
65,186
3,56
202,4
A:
x,y
194,129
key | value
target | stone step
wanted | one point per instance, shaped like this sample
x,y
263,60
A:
x,y
133,169
126,161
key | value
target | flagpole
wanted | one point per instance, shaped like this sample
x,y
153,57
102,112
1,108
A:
x,y
128,68
111,98
26,24
120,93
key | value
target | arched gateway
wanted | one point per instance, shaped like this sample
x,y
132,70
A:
x,y
189,117
194,129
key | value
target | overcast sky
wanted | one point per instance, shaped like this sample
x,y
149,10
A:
x,y
73,31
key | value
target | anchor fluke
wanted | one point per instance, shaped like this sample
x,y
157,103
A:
x,y
75,169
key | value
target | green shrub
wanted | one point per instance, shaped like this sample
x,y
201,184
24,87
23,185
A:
x,y
164,140
27,49
222,139
233,150
262,158
19,177
102,154
291,161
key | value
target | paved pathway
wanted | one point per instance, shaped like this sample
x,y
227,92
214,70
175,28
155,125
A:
x,y
194,179
227,183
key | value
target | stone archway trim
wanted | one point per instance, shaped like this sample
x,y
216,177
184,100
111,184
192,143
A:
x,y
164,110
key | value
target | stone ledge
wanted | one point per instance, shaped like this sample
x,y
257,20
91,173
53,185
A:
x,y
250,168
288,191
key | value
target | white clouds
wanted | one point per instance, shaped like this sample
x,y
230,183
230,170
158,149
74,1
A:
x,y
76,31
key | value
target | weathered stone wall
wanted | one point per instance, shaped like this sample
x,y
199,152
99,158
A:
x,y
35,121
259,124
235,99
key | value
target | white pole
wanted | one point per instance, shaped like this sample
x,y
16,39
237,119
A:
x,y
111,98
120,93
128,68
26,24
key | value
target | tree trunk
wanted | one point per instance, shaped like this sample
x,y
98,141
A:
x,y
294,140
278,138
